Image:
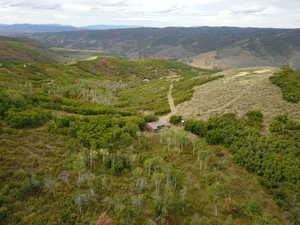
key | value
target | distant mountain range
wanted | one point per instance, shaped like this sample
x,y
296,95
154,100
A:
x,y
13,29
208,47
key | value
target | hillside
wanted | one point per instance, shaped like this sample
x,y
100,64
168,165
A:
x,y
239,91
74,150
22,50
226,46
274,49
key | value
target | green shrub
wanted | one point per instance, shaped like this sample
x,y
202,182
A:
x,y
175,119
100,131
215,136
3,214
275,158
279,124
255,116
253,208
5,103
117,164
292,97
150,118
27,119
32,186
131,128
196,127
288,81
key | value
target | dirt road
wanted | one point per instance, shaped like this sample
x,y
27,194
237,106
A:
x,y
166,118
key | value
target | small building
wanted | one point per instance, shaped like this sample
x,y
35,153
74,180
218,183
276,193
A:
x,y
157,125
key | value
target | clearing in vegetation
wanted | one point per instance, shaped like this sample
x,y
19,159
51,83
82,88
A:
x,y
239,91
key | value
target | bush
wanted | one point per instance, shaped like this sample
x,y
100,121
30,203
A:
x,y
291,97
150,118
117,164
253,208
3,214
288,81
28,118
196,127
215,137
175,119
279,124
5,103
32,186
256,116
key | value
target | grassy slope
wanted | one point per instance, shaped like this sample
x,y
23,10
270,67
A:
x,y
24,51
69,170
110,81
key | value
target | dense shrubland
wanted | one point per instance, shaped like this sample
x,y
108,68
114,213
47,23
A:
x,y
274,157
79,168
107,81
147,68
66,159
289,82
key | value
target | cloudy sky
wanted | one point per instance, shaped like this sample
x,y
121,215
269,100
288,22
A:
x,y
254,13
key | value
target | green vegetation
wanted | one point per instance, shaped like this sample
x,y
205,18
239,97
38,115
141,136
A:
x,y
74,169
175,119
183,90
13,50
25,119
144,69
274,158
107,81
151,97
73,150
289,82
150,118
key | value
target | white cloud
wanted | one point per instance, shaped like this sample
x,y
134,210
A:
x,y
255,13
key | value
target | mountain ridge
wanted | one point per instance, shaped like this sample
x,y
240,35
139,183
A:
x,y
19,29
245,46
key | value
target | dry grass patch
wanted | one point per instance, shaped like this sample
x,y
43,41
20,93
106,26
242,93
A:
x,y
239,91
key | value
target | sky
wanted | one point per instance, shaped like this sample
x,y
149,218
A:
x,y
154,13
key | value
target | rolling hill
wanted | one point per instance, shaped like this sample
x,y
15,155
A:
x,y
239,91
74,149
210,47
23,50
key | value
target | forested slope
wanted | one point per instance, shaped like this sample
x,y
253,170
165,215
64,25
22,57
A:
x,y
74,150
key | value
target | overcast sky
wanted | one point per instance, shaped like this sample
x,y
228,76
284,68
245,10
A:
x,y
253,13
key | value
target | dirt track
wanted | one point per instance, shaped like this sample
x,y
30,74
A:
x,y
240,91
166,118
